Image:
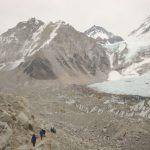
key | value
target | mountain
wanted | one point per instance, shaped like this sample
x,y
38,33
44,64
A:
x,y
14,40
138,43
56,51
116,47
130,57
52,51
142,30
102,35
36,58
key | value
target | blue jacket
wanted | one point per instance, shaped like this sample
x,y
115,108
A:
x,y
33,139
41,133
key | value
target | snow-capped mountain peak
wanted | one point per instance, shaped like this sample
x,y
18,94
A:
x,y
15,38
97,31
31,25
102,35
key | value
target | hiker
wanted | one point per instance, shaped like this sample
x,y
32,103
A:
x,y
33,140
41,133
53,130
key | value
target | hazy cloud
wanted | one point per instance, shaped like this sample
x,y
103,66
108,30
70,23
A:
x,y
119,16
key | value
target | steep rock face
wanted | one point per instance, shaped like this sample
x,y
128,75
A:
x,y
52,51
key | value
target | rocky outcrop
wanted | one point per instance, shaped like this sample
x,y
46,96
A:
x,y
16,123
5,135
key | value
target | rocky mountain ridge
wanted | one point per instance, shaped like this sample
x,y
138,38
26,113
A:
x,y
58,51
52,51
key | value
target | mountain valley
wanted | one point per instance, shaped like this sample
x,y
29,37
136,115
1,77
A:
x,y
52,75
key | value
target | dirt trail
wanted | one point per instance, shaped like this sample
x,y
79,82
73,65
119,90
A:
x,y
44,144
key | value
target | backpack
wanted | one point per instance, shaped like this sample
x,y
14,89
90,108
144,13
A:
x,y
41,132
53,130
33,139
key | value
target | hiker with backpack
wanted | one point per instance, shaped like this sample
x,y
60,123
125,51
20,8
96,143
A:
x,y
33,140
44,132
53,130
41,133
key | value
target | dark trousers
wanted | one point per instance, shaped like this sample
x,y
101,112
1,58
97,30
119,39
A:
x,y
33,143
41,136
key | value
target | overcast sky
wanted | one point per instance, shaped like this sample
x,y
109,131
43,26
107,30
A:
x,y
118,16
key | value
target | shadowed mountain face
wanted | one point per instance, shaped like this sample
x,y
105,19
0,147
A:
x,y
38,68
52,51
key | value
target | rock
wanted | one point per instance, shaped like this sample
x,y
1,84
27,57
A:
x,y
23,118
5,135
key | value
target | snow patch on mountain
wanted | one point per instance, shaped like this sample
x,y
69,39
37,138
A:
x,y
96,32
30,46
15,64
144,28
52,35
116,47
2,66
32,49
116,53
11,65
135,67
95,35
135,45
139,39
9,39
114,75
35,36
